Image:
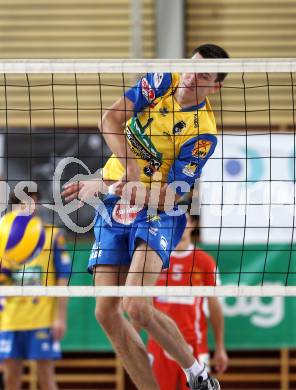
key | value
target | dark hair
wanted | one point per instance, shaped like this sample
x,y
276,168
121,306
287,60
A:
x,y
209,50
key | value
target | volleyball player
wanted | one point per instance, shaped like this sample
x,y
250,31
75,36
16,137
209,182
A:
x,y
31,327
163,129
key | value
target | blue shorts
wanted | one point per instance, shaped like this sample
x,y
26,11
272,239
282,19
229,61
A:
x,y
115,245
37,344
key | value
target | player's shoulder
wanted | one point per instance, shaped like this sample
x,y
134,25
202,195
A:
x,y
157,84
203,259
161,79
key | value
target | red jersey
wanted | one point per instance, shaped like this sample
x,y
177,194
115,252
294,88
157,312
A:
x,y
191,267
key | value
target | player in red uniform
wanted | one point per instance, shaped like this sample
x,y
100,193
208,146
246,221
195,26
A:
x,y
189,266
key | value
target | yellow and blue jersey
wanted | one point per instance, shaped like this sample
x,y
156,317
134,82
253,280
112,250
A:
x,y
165,137
52,263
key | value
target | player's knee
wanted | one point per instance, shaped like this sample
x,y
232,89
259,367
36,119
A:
x,y
138,310
45,372
105,310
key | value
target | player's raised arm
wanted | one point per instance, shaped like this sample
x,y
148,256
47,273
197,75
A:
x,y
112,126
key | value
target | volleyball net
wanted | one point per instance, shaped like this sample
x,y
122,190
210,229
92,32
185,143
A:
x,y
49,115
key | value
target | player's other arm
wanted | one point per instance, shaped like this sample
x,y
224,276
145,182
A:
x,y
206,263
60,322
217,322
62,264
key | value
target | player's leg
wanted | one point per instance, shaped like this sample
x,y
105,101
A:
x,y
145,268
46,375
165,369
12,357
162,233
1,375
12,374
41,347
110,261
123,336
182,385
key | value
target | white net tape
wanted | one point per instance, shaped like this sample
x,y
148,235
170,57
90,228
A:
x,y
141,66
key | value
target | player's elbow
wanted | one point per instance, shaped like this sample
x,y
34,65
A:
x,y
106,120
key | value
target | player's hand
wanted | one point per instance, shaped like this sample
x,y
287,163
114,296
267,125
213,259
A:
x,y
84,190
91,189
220,360
59,328
71,191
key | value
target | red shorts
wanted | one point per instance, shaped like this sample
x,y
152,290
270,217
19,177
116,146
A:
x,y
168,373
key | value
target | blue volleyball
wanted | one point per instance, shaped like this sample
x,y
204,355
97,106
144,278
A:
x,y
22,237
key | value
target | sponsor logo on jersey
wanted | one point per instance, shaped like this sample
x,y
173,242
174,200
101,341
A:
x,y
125,214
201,148
142,146
157,78
147,90
196,274
177,129
195,120
96,252
153,231
153,218
190,169
136,145
163,243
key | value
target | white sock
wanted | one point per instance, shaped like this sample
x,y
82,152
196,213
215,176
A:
x,y
195,370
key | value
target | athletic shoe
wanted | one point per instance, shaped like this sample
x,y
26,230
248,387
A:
x,y
198,383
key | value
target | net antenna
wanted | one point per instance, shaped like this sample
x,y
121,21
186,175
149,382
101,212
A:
x,y
248,186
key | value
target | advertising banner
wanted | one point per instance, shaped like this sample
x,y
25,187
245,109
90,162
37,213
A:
x,y
252,322
248,190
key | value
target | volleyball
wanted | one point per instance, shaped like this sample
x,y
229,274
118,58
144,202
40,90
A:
x,y
22,237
